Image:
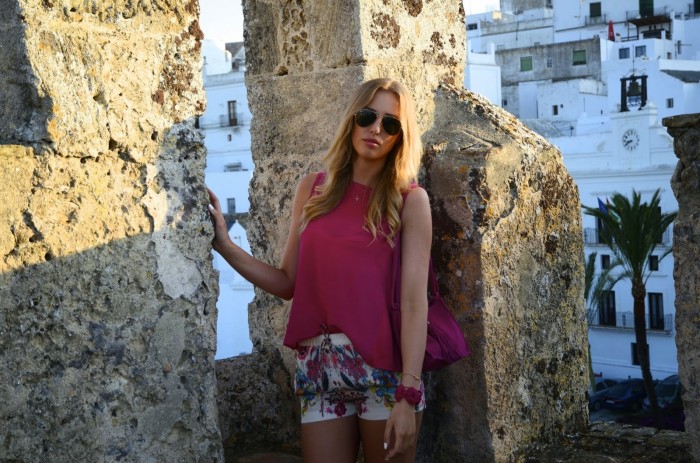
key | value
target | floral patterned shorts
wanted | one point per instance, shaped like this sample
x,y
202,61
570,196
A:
x,y
333,381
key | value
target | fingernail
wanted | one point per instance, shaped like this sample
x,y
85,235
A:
x,y
386,446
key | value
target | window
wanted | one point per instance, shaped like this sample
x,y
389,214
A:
x,y
606,309
579,57
549,62
234,167
669,102
196,122
505,102
595,10
661,238
656,311
653,263
646,8
635,357
605,261
231,204
526,63
640,51
232,115
229,137
624,53
555,110
472,26
599,229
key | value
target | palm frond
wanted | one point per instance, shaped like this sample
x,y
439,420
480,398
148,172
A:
x,y
632,229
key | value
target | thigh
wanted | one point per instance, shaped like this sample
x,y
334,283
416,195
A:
x,y
372,436
326,441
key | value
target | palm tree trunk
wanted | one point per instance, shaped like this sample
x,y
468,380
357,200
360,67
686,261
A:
x,y
640,332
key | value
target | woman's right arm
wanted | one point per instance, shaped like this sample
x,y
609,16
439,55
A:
x,y
276,281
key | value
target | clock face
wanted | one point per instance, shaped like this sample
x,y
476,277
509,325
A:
x,y
630,140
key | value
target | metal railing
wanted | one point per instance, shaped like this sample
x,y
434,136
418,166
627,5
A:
x,y
222,121
625,320
228,121
590,236
657,34
593,20
635,14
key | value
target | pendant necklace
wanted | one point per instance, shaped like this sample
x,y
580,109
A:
x,y
360,194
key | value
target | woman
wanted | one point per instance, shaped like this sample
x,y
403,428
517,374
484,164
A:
x,y
353,384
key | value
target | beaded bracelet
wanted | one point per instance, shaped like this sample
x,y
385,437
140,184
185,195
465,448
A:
x,y
412,395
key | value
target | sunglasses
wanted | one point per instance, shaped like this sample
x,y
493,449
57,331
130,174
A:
x,y
366,117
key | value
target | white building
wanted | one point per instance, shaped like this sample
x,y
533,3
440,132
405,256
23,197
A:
x,y
226,128
572,71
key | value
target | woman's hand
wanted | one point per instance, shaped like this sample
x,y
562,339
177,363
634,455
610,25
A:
x,y
221,238
400,431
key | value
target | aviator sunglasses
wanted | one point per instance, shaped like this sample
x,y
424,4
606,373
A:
x,y
366,117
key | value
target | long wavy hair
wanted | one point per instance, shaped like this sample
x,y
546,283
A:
x,y
400,169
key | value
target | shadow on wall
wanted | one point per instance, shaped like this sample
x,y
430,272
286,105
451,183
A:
x,y
107,306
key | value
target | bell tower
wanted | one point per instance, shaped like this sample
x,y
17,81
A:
x,y
632,93
522,5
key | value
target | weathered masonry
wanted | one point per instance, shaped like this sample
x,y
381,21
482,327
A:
x,y
107,294
686,256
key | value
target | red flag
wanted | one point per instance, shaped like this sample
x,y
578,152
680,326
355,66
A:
x,y
611,31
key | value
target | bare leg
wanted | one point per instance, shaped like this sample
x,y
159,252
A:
x,y
327,441
372,435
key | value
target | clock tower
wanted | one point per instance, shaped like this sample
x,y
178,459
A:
x,y
630,139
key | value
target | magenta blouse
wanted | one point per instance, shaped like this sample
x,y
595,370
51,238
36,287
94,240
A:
x,y
343,282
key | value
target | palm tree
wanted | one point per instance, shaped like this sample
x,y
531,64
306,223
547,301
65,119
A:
x,y
594,289
632,229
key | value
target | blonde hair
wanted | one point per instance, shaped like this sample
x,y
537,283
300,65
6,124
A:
x,y
400,169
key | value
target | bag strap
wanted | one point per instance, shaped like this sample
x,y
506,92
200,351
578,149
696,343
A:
x,y
433,291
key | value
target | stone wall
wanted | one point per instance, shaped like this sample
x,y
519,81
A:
x,y
686,255
107,294
508,243
508,240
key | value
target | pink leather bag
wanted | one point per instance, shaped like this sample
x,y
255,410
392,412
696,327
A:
x,y
445,343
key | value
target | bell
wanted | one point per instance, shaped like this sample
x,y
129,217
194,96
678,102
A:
x,y
633,89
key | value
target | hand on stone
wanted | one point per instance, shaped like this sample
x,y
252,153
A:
x,y
221,238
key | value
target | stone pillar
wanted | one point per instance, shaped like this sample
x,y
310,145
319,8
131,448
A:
x,y
508,245
508,239
107,293
685,130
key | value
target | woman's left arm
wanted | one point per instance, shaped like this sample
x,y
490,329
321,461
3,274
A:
x,y
416,237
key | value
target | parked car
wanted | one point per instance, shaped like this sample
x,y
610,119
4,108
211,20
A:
x,y
625,395
668,393
596,393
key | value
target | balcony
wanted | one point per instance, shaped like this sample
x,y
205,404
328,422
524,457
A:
x,y
632,15
625,320
590,237
222,120
230,120
594,20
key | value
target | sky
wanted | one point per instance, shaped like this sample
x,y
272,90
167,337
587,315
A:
x,y
222,20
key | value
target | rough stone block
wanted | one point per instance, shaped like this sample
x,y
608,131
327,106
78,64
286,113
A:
x,y
685,182
107,293
508,249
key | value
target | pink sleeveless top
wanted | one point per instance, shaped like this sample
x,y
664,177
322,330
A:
x,y
343,282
